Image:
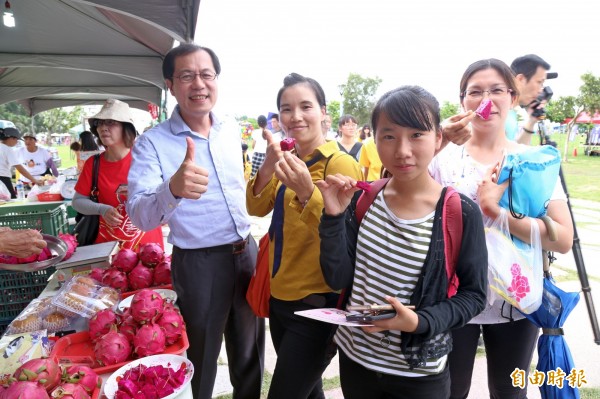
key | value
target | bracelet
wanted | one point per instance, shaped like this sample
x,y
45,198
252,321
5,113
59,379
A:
x,y
305,203
528,131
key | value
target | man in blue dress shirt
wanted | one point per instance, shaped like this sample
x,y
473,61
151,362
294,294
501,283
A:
x,y
187,172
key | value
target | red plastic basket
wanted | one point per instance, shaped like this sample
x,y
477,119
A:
x,y
48,197
75,349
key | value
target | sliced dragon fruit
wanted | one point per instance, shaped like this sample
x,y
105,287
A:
x,y
287,144
484,109
363,185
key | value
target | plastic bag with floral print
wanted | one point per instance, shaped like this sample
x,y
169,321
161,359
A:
x,y
515,272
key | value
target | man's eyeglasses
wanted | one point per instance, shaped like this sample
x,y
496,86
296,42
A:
x,y
476,94
107,122
188,77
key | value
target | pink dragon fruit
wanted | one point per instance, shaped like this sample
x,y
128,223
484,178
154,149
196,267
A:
x,y
116,279
45,371
484,109
146,305
112,348
84,376
169,306
128,327
97,274
101,323
70,391
44,255
71,242
140,277
25,390
162,273
151,254
29,259
172,322
9,260
125,260
149,340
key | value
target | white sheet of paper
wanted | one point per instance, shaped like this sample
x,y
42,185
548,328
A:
x,y
330,315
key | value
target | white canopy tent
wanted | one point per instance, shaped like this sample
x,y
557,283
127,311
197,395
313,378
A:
x,y
73,52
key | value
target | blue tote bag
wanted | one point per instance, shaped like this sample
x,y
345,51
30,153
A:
x,y
532,176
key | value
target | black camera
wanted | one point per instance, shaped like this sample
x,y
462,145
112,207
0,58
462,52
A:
x,y
545,95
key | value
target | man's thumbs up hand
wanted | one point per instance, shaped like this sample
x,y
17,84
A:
x,y
190,180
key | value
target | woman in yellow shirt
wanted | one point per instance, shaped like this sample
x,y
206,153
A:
x,y
284,184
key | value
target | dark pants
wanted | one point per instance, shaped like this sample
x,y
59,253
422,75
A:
x,y
8,183
304,348
507,346
358,382
211,289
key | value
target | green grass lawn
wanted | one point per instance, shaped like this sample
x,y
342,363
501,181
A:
x,y
581,172
67,156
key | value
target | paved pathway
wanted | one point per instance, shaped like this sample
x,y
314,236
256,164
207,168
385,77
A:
x,y
578,332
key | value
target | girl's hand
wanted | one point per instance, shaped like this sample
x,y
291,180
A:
x,y
490,192
405,320
337,191
457,128
294,173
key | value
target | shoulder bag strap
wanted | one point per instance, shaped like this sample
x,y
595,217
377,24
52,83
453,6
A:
x,y
367,197
452,226
95,170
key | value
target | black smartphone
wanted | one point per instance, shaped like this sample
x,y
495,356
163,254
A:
x,y
369,317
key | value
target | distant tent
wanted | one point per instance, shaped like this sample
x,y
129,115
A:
x,y
76,130
584,117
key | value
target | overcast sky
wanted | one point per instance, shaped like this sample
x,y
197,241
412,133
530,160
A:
x,y
424,42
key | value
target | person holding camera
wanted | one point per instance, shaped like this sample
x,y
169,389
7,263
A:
x,y
530,72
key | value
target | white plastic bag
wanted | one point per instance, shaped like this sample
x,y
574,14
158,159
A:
x,y
515,273
4,193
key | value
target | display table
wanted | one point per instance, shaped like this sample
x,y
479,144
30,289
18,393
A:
x,y
81,325
84,258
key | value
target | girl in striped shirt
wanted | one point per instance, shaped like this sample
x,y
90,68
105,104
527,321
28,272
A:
x,y
396,254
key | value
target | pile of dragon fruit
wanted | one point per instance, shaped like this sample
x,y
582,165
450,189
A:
x,y
131,271
146,328
45,379
69,239
154,382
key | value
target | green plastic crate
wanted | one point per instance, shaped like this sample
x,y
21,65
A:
x,y
47,218
17,289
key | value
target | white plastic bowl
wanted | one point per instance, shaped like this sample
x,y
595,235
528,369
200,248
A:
x,y
173,361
